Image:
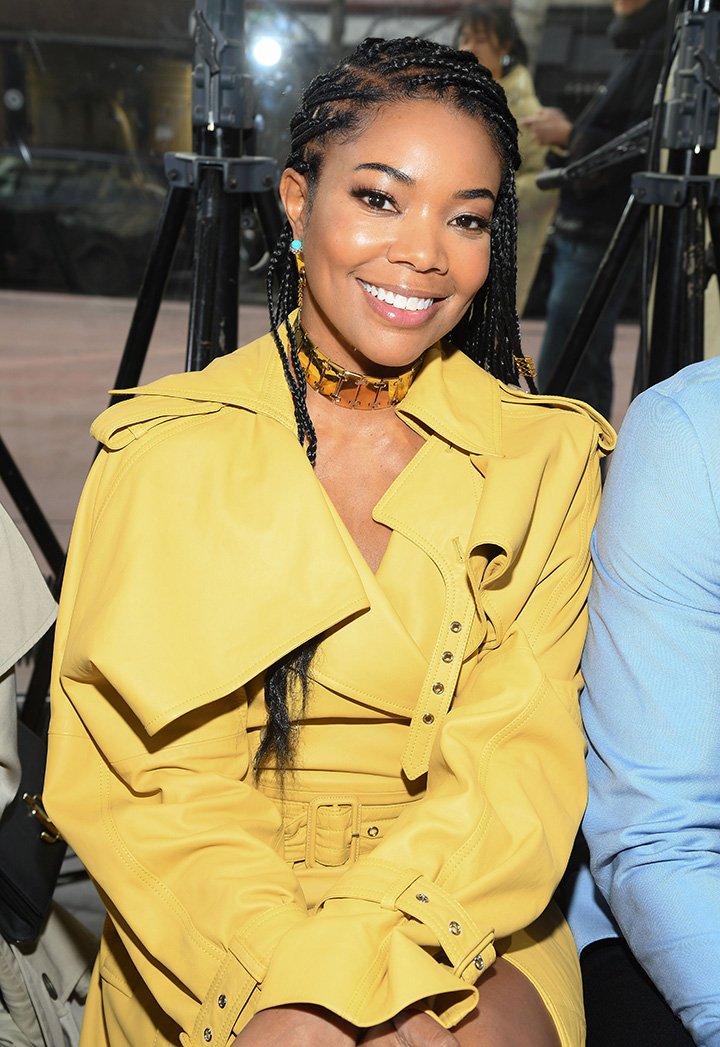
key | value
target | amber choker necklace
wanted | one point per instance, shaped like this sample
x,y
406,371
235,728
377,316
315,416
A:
x,y
359,392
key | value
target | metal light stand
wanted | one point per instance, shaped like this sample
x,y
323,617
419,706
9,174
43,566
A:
x,y
686,196
223,180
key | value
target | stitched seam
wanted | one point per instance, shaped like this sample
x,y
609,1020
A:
x,y
153,440
149,879
452,864
371,974
581,558
234,682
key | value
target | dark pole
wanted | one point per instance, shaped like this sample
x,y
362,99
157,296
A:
x,y
336,14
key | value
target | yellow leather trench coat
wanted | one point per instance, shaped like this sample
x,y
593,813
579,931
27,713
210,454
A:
x,y
440,776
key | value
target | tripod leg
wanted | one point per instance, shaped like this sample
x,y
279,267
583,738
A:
x,y
35,709
692,346
267,208
151,289
713,216
225,323
607,276
30,511
205,264
676,337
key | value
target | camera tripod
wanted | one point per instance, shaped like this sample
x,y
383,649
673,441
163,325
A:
x,y
679,202
223,178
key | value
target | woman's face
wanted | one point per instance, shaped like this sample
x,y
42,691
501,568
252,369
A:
x,y
396,239
486,47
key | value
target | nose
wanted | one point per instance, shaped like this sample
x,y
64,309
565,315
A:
x,y
419,242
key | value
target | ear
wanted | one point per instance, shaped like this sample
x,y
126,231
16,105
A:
x,y
294,195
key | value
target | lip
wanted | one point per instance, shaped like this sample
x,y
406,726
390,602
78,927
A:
x,y
400,317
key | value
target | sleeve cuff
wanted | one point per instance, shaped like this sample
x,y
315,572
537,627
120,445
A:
x,y
221,1012
358,958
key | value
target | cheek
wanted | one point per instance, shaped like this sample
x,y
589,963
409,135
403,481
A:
x,y
476,268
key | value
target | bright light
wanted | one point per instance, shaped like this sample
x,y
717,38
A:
x,y
267,51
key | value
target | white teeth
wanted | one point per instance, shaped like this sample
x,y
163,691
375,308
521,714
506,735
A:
x,y
399,301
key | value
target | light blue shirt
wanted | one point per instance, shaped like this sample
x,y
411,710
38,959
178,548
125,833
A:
x,y
651,703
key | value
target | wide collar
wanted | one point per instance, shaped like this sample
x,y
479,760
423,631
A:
x,y
451,397
470,511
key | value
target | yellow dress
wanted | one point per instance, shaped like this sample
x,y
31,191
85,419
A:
x,y
440,771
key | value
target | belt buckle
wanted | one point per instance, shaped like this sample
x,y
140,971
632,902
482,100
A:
x,y
333,831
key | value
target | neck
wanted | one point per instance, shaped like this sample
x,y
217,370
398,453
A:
x,y
348,388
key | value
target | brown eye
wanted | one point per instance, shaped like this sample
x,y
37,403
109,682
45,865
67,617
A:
x,y
473,222
374,199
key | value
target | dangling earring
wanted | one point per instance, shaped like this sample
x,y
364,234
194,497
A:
x,y
296,248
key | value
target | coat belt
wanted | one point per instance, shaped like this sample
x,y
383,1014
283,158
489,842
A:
x,y
334,830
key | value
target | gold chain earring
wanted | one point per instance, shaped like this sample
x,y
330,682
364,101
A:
x,y
296,248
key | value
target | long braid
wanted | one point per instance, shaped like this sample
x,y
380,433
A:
x,y
335,106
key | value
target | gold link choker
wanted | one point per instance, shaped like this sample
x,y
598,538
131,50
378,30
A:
x,y
359,392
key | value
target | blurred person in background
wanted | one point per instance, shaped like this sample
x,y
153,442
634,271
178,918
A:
x,y
492,35
590,209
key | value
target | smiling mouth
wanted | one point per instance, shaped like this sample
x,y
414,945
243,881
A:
x,y
398,301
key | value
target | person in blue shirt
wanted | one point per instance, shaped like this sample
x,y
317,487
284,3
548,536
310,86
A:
x,y
651,708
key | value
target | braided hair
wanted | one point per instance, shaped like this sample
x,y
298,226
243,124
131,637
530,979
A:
x,y
335,107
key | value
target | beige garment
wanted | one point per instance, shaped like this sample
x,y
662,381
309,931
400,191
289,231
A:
x,y
536,206
42,987
27,610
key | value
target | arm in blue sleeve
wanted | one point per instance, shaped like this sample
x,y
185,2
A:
x,y
652,700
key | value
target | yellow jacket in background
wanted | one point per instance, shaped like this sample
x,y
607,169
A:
x,y
440,776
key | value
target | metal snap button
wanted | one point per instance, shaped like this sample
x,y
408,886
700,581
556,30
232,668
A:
x,y
447,656
428,718
207,1035
455,627
422,898
455,927
438,688
479,962
222,1000
373,830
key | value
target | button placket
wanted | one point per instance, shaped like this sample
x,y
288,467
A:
x,y
440,680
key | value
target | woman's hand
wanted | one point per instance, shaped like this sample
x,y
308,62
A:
x,y
548,126
299,1025
410,1029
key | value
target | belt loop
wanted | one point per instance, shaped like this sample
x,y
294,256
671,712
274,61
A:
x,y
333,831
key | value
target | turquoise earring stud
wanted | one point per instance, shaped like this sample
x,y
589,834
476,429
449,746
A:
x,y
296,246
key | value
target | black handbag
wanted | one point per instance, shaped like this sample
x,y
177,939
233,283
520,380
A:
x,y
31,849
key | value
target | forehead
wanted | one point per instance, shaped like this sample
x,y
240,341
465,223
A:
x,y
420,135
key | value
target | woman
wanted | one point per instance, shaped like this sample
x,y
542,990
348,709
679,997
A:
x,y
492,35
319,642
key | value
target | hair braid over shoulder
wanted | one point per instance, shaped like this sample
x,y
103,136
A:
x,y
335,106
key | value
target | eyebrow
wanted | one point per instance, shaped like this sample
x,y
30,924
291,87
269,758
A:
x,y
401,176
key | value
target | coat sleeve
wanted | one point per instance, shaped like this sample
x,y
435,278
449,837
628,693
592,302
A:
x,y
480,855
652,698
186,853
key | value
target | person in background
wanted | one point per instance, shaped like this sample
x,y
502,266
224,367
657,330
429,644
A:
x,y
492,35
590,209
28,1015
651,708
